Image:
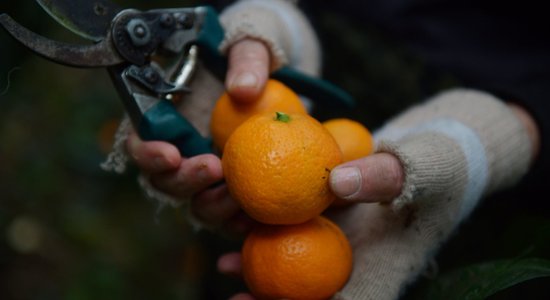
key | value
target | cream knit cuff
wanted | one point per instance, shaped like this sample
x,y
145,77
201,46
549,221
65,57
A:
x,y
280,25
493,147
455,148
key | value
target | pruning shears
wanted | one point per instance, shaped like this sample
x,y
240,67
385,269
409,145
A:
x,y
129,42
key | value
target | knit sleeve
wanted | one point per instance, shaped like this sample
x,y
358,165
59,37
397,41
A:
x,y
280,25
455,149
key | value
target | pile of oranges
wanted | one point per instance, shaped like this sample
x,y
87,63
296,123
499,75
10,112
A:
x,y
276,161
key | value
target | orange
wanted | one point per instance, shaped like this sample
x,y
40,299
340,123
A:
x,y
312,260
277,166
354,139
228,115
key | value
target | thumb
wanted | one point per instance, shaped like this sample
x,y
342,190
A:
x,y
376,178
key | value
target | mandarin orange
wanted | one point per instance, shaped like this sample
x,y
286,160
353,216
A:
x,y
277,166
312,260
354,139
227,114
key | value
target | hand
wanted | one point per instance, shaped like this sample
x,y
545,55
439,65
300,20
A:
x,y
196,178
375,178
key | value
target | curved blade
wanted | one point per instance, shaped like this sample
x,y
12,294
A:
x,y
102,54
90,19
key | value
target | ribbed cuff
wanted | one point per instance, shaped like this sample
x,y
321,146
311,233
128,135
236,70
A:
x,y
117,159
485,143
455,148
164,199
280,25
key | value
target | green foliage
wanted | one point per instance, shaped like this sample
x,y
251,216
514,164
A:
x,y
68,229
482,280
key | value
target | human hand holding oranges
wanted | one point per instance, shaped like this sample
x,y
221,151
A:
x,y
192,177
374,190
176,176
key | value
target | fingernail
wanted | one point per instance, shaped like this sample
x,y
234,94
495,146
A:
x,y
245,80
345,181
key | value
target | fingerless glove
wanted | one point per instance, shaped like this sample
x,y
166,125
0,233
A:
x,y
456,148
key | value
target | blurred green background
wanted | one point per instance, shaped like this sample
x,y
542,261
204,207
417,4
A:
x,y
69,230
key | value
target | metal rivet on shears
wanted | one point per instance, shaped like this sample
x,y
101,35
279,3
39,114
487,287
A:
x,y
167,20
100,9
185,20
150,75
139,32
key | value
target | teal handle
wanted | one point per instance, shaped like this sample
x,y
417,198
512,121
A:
x,y
317,90
320,91
163,122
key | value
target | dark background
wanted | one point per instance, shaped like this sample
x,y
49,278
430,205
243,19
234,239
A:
x,y
69,230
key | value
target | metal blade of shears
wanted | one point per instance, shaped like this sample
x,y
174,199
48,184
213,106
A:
x,y
90,19
102,54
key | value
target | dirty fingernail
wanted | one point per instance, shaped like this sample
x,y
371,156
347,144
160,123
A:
x,y
345,181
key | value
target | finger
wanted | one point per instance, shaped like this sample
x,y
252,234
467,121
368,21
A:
x,y
230,264
248,70
214,206
239,225
530,124
242,296
153,157
375,178
193,175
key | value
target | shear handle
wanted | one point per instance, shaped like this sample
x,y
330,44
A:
x,y
163,122
156,118
97,55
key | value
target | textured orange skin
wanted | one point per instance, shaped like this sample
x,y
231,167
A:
x,y
354,139
278,171
312,260
227,115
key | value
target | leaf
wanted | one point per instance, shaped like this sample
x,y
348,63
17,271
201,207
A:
x,y
483,280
